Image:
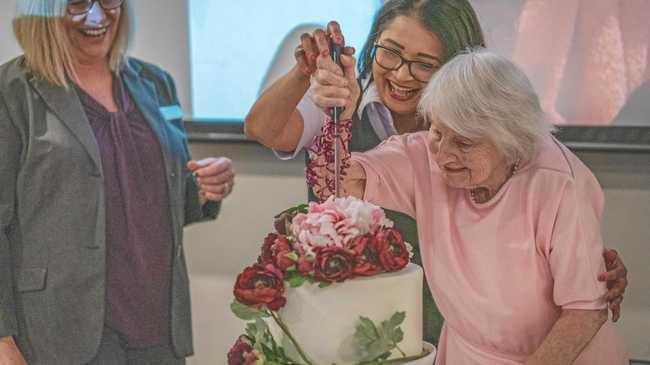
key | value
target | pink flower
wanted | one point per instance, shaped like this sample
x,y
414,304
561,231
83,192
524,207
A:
x,y
337,222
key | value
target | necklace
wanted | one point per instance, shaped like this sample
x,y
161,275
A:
x,y
475,196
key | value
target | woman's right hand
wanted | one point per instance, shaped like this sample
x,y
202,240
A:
x,y
331,85
9,352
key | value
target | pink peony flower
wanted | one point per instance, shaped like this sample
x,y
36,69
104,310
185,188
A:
x,y
337,221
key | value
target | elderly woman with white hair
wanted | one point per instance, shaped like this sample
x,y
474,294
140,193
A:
x,y
508,218
96,184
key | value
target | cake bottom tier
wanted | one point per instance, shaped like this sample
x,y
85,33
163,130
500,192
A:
x,y
324,320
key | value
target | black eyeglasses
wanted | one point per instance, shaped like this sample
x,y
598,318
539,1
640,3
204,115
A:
x,y
390,59
79,7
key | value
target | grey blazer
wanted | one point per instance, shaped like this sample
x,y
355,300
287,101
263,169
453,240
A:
x,y
52,224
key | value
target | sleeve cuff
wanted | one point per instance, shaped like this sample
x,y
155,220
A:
x,y
211,209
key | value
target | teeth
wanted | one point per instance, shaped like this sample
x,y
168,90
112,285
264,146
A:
x,y
402,91
94,32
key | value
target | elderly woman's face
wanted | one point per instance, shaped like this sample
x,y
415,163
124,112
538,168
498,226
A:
x,y
92,34
404,37
465,163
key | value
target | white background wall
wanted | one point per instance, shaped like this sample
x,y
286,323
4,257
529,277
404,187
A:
x,y
217,251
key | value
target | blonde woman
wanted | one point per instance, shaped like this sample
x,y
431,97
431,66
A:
x,y
96,184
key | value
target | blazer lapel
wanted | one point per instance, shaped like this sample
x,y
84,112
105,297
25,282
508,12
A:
x,y
66,106
144,96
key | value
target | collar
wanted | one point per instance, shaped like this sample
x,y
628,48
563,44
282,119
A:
x,y
380,116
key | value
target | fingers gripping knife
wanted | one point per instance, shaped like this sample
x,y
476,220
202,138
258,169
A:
x,y
336,44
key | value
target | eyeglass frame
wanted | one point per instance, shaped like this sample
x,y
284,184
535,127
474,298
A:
x,y
402,62
92,2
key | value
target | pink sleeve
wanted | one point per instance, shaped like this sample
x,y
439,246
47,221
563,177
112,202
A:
x,y
576,252
389,175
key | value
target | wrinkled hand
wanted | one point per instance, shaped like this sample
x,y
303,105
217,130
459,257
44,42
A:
x,y
215,177
9,352
616,278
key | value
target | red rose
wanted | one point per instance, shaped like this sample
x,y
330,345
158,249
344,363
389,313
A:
x,y
279,251
393,254
260,285
281,222
366,259
274,251
267,255
333,263
242,352
305,265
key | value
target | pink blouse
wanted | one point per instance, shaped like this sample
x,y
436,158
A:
x,y
501,271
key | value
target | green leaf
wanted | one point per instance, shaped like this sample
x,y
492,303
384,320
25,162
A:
x,y
391,330
366,332
397,319
376,343
293,256
324,284
245,312
397,336
302,208
294,279
297,281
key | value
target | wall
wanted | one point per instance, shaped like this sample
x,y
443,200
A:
x,y
217,251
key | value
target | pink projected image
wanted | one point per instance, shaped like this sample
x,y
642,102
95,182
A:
x,y
589,60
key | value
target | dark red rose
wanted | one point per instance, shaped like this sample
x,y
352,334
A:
x,y
260,285
393,254
305,265
279,251
266,256
241,352
274,251
333,263
282,221
366,259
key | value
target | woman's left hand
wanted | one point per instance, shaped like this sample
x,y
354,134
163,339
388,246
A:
x,y
215,177
616,278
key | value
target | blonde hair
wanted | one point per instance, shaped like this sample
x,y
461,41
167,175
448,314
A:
x,y
39,29
479,94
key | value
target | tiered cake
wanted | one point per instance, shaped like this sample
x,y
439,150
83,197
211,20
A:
x,y
333,285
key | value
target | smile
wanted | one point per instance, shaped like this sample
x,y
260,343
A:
x,y
399,92
454,170
94,32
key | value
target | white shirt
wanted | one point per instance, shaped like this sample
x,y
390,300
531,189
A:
x,y
314,118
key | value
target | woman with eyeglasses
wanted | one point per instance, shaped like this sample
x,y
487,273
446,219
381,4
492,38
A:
x,y
96,184
409,41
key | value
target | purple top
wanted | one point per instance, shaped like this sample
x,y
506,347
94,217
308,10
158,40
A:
x,y
138,221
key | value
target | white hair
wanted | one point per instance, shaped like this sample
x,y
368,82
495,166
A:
x,y
479,94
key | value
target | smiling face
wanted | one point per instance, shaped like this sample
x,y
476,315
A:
x,y
92,34
399,91
466,163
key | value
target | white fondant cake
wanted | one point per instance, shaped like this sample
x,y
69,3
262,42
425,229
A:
x,y
324,319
